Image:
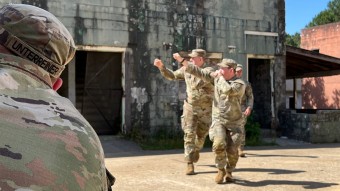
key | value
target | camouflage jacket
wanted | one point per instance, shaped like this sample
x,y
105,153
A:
x,y
248,97
227,96
45,143
199,92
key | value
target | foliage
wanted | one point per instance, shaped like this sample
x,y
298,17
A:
x,y
293,40
334,8
324,17
135,134
170,138
163,139
253,132
330,15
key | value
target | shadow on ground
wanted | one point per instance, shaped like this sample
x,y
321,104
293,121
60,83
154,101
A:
x,y
305,184
117,146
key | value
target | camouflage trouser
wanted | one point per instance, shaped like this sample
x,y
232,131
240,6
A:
x,y
195,124
225,145
243,133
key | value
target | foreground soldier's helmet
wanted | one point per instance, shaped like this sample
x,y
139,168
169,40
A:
x,y
36,35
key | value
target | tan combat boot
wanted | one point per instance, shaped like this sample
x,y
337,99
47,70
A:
x,y
229,177
190,169
220,176
196,156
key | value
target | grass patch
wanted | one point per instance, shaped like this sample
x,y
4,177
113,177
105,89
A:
x,y
162,144
162,139
261,143
253,132
167,139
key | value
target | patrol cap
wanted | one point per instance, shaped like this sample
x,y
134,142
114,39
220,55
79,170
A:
x,y
226,62
198,52
239,67
36,35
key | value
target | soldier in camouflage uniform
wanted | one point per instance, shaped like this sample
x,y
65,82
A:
x,y
226,115
196,117
45,143
247,103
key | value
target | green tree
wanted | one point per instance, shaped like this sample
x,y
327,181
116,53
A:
x,y
330,15
293,40
324,17
334,8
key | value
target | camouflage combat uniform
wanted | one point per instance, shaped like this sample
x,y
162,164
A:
x,y
226,116
45,143
196,117
246,101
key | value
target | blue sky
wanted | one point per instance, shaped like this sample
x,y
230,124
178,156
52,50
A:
x,y
300,12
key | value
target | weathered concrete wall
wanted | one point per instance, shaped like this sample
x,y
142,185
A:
x,y
321,127
279,70
145,26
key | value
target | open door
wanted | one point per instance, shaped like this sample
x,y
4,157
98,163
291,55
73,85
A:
x,y
99,89
259,77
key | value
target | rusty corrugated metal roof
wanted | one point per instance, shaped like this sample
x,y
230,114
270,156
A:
x,y
306,63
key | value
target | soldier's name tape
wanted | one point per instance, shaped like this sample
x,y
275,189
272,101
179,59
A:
x,y
25,51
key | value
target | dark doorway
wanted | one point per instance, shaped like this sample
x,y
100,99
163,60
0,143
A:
x,y
38,3
259,77
99,90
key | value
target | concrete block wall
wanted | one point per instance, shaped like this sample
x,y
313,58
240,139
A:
x,y
325,127
295,125
321,127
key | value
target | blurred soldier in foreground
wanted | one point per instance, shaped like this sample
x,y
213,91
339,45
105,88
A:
x,y
196,117
226,117
247,103
45,143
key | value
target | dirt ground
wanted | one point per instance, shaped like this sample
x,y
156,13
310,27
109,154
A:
x,y
289,166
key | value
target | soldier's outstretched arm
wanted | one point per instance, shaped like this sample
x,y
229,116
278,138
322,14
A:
x,y
194,70
206,75
167,73
158,63
233,87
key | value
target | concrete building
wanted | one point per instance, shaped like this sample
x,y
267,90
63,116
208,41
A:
x,y
313,114
112,80
316,114
322,92
310,125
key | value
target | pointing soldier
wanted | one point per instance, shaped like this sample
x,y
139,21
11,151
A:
x,y
197,107
226,114
45,143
